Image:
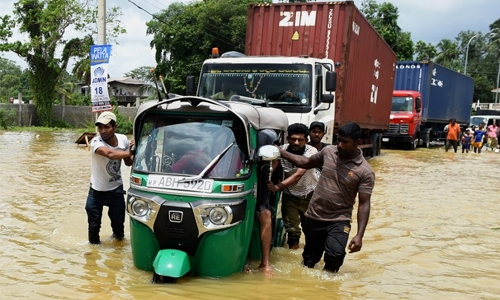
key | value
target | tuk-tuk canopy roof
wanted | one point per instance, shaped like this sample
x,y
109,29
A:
x,y
258,117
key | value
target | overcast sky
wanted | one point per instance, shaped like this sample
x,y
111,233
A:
x,y
427,20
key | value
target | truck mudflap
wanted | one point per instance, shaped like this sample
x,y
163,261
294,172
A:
x,y
171,263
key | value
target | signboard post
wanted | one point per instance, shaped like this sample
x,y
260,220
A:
x,y
99,60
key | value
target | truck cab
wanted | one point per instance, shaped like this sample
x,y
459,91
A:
x,y
302,87
405,119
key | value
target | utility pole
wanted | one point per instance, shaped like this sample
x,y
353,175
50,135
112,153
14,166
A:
x,y
101,22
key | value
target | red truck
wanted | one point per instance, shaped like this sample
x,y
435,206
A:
x,y
342,67
426,96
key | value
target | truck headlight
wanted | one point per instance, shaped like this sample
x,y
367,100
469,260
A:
x,y
140,207
218,215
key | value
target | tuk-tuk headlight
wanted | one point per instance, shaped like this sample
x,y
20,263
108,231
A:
x,y
140,208
218,215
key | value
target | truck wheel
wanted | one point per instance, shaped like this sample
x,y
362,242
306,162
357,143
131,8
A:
x,y
379,144
414,145
428,140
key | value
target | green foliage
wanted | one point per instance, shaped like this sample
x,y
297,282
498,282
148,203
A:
x,y
7,118
425,51
125,126
384,18
482,89
10,79
184,35
60,124
79,99
448,51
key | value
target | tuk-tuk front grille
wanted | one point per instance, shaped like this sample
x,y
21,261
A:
x,y
175,228
176,231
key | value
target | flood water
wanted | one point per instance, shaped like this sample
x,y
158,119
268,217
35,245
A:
x,y
434,233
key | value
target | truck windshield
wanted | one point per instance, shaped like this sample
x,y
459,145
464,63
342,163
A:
x,y
278,84
186,146
402,104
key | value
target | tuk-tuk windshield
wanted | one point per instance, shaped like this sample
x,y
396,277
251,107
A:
x,y
186,146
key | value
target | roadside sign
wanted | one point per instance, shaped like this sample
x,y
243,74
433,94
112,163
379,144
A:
x,y
99,60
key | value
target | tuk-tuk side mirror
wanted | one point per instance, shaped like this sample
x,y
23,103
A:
x,y
331,81
268,152
190,85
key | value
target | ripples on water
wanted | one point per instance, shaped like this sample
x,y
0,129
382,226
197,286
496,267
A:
x,y
433,234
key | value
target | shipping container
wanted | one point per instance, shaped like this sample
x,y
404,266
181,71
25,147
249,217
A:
x,y
445,93
365,64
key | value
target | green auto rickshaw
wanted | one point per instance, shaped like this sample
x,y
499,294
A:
x,y
200,168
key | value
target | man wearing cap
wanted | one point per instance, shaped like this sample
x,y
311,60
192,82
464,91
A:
x,y
108,148
316,134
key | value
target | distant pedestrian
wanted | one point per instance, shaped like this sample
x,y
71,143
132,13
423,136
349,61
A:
x,y
492,136
478,138
452,136
466,141
108,149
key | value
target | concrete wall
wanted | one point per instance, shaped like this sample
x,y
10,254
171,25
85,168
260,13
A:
x,y
78,116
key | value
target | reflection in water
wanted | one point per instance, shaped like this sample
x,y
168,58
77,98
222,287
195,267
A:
x,y
433,233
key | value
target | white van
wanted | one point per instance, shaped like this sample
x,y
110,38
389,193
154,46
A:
x,y
486,116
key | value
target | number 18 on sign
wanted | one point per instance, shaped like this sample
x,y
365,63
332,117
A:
x,y
99,60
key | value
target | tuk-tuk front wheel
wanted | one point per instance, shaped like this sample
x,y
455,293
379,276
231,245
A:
x,y
163,279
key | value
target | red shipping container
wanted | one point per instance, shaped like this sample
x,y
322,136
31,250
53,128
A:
x,y
336,30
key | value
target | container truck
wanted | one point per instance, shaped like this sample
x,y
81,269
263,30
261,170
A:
x,y
343,69
426,96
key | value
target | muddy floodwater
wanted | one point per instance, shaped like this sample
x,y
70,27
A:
x,y
434,233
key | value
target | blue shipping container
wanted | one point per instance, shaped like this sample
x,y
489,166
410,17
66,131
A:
x,y
445,93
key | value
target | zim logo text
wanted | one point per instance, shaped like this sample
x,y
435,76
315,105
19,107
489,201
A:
x,y
299,18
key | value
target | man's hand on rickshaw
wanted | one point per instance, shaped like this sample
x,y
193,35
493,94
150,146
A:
x,y
131,146
272,187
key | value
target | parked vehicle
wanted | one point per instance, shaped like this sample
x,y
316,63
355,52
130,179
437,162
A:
x,y
342,68
199,170
486,116
426,96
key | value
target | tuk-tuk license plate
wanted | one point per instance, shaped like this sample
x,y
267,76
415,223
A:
x,y
172,182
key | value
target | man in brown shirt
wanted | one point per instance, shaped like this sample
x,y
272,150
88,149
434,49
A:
x,y
346,173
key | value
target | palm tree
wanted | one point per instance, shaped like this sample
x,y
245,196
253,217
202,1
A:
x,y
448,52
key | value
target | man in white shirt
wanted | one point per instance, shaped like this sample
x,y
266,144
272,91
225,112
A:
x,y
106,185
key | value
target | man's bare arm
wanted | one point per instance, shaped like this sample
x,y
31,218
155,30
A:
x,y
299,160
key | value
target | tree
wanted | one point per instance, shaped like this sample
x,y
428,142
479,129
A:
x,y
183,36
47,50
448,51
384,18
10,79
425,51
